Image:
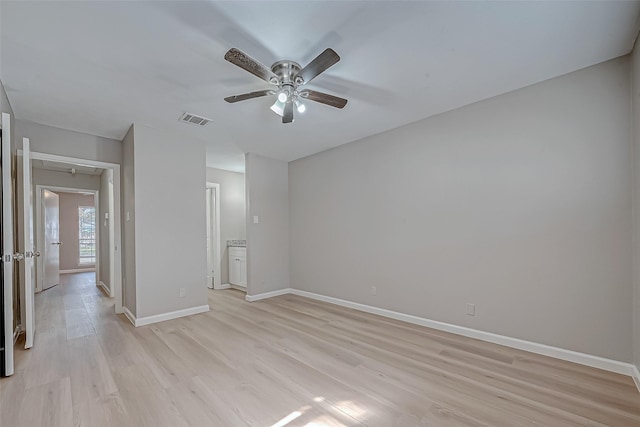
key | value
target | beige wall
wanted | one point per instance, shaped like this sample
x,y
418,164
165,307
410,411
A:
x,y
267,241
232,212
520,204
69,251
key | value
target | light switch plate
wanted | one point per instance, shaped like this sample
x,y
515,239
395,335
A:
x,y
256,220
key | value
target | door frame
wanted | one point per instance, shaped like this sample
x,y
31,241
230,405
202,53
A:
x,y
216,238
115,251
8,243
40,225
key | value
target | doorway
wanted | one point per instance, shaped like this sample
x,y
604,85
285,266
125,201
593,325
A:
x,y
105,250
67,234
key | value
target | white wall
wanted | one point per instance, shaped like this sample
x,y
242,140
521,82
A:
x,y
232,212
52,140
520,204
267,241
69,232
128,223
635,98
170,225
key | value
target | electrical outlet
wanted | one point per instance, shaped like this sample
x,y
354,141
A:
x,y
374,290
471,309
183,292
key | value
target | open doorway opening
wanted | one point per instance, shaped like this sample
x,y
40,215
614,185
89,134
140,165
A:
x,y
67,234
226,236
88,207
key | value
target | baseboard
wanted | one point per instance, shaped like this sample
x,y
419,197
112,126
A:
x,y
238,288
543,349
129,315
224,286
16,334
105,288
258,297
636,376
141,321
78,270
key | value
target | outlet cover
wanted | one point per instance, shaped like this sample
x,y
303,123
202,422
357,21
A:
x,y
374,290
183,292
471,309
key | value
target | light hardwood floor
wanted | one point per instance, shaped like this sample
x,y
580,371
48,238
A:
x,y
287,361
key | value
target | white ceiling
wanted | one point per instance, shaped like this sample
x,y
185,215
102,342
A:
x,y
96,67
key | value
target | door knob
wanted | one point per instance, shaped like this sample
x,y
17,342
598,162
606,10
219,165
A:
x,y
18,256
36,253
57,243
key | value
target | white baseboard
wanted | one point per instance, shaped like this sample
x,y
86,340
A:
x,y
16,334
129,315
164,316
543,349
78,270
636,376
224,286
258,297
105,288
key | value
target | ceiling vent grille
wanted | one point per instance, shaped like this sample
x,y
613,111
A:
x,y
193,119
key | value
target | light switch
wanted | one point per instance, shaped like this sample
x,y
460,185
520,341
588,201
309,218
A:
x,y
256,219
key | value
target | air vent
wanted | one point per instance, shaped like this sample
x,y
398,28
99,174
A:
x,y
192,119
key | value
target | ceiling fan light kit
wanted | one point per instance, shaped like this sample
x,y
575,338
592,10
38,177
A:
x,y
288,77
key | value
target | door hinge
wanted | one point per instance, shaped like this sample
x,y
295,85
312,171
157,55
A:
x,y
6,258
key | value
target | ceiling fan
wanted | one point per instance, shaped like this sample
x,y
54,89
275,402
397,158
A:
x,y
288,77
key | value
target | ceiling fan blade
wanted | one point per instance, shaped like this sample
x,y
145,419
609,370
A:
x,y
320,64
250,95
324,98
247,63
287,116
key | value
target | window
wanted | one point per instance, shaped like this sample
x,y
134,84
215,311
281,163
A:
x,y
87,235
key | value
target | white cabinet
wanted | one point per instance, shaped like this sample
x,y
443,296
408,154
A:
x,y
238,266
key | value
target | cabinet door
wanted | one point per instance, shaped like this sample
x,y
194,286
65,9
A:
x,y
242,266
233,270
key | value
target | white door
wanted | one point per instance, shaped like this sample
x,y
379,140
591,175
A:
x,y
51,209
28,278
7,246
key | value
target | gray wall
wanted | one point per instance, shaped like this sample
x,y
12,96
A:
x,y
69,203
232,212
268,241
65,179
103,206
52,140
128,223
170,225
5,107
635,86
519,204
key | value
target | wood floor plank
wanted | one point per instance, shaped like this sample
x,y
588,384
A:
x,y
287,361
